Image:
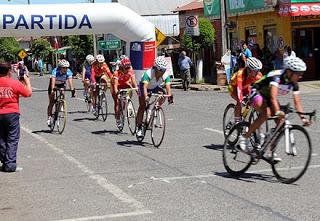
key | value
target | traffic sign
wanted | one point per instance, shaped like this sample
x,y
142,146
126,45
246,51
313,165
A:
x,y
192,25
110,44
22,54
160,37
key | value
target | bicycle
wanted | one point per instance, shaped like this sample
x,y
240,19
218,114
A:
x,y
154,119
127,109
248,114
101,101
88,98
288,140
59,117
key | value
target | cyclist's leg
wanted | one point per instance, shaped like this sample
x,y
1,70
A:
x,y
116,98
142,105
51,100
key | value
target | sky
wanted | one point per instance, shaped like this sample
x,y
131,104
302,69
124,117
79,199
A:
x,y
48,1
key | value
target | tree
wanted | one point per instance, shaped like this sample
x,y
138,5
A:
x,y
204,40
81,45
41,48
9,49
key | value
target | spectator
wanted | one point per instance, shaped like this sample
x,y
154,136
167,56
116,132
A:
x,y
277,60
21,70
10,90
185,64
246,51
40,66
288,52
225,60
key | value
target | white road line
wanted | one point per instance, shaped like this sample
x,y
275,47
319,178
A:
x,y
168,179
102,181
213,130
314,154
81,99
137,213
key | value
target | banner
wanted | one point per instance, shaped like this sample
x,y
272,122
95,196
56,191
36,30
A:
x,y
142,55
299,9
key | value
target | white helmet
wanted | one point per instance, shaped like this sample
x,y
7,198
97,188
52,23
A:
x,y
100,58
90,59
161,63
294,64
63,63
254,64
123,56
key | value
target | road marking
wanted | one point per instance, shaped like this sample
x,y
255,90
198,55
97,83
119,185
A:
x,y
314,154
137,213
100,180
81,99
168,179
213,130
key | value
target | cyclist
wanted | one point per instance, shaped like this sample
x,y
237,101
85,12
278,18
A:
x,y
86,73
151,82
58,79
115,64
99,73
240,83
264,97
122,78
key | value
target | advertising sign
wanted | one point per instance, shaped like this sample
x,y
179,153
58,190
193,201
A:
x,y
142,55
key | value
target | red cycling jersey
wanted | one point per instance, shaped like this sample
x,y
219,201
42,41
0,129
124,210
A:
x,y
123,79
98,71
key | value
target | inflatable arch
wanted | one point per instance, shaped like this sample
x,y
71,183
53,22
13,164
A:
x,y
82,19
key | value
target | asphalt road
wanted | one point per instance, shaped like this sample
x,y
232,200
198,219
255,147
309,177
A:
x,y
92,172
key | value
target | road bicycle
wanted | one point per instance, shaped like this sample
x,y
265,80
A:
x,y
127,109
101,101
59,117
154,120
248,114
88,98
290,142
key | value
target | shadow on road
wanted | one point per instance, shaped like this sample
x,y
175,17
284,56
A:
x,y
42,131
248,177
133,143
218,147
78,112
84,119
105,132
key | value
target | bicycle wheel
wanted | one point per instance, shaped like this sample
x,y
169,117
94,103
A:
x,y
103,106
264,129
158,126
295,163
228,121
54,118
62,116
145,126
87,100
131,117
235,160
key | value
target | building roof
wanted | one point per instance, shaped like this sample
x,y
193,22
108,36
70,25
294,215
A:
x,y
153,7
196,4
167,24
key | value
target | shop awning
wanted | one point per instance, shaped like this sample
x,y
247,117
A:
x,y
299,9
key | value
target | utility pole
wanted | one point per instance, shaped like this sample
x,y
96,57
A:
x,y
94,38
224,33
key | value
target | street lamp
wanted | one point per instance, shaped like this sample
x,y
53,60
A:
x,y
174,25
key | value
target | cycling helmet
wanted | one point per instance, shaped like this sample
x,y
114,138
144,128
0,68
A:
x,y
90,59
123,56
294,64
100,58
161,63
63,63
254,64
125,63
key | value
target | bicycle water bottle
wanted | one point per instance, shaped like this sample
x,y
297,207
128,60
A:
x,y
245,111
262,138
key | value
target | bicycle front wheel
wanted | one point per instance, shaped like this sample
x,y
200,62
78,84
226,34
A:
x,y
295,159
158,126
131,117
103,106
235,160
228,121
62,116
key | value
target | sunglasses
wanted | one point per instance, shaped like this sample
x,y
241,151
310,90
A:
x,y
161,69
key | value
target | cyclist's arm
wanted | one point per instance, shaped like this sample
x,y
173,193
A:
x,y
108,72
168,85
145,88
53,83
83,73
70,83
134,81
273,98
93,75
239,88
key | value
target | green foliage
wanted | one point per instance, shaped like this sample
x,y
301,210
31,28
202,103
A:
x,y
41,48
81,45
9,49
205,39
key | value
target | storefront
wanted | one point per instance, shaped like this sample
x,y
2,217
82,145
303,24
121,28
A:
x,y
305,30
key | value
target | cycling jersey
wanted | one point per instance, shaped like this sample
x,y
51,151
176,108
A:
x,y
60,77
123,79
98,71
276,78
87,68
150,78
242,84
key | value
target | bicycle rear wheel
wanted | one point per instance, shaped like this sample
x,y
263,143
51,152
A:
x,y
103,106
131,117
228,122
295,163
158,126
62,116
235,160
87,100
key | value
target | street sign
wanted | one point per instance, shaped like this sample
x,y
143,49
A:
x,y
110,45
22,54
160,37
192,25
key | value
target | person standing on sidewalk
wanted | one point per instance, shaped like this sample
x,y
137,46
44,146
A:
x,y
40,67
10,90
185,64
